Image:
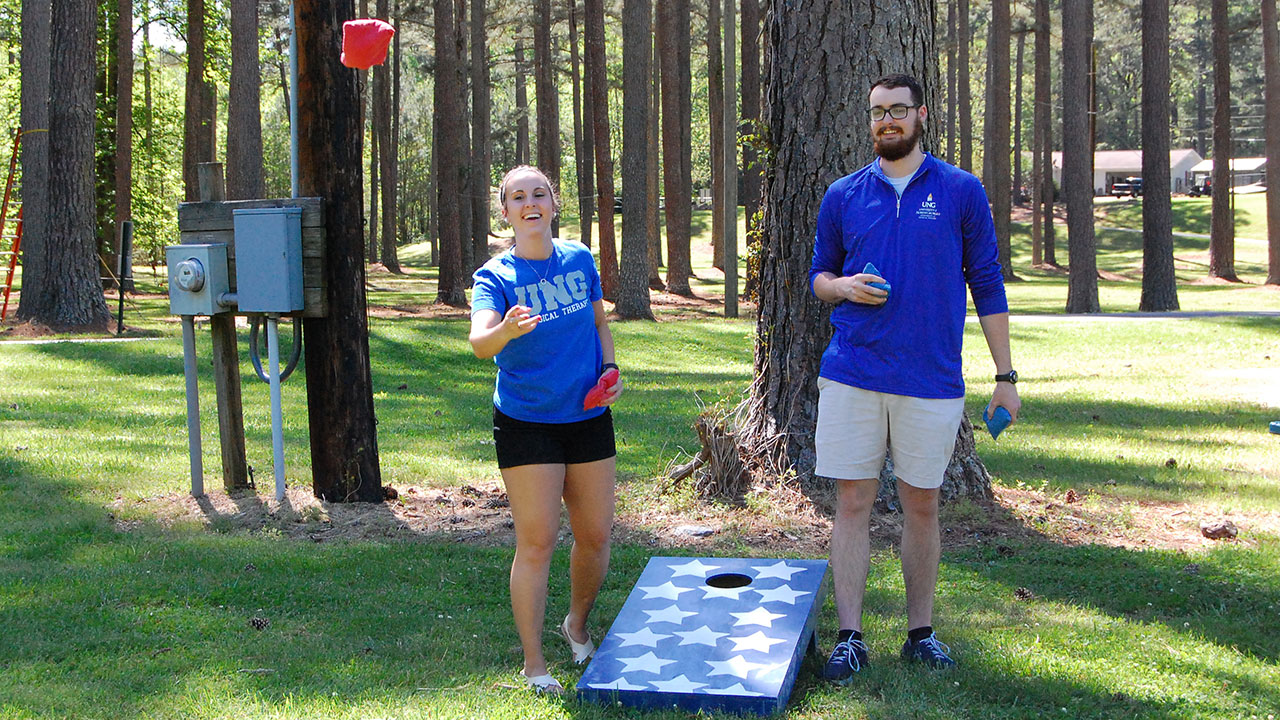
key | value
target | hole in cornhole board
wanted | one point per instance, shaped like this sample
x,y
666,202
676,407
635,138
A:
x,y
729,580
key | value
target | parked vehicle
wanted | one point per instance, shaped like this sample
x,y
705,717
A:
x,y
1131,186
1200,190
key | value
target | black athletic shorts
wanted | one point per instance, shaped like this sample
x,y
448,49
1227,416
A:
x,y
533,443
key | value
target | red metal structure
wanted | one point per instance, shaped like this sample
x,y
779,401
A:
x,y
16,236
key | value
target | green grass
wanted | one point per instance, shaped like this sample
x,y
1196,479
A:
x,y
108,610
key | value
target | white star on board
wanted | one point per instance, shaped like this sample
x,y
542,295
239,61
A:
x,y
782,593
712,592
779,569
645,637
619,684
702,636
693,567
671,614
665,590
758,641
679,683
771,672
759,616
647,662
736,666
734,689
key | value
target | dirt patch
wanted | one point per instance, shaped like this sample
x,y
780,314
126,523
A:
x,y
30,329
772,517
430,311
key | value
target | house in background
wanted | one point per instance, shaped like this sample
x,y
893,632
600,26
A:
x,y
1244,171
1110,166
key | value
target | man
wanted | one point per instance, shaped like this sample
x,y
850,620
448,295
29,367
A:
x,y
891,376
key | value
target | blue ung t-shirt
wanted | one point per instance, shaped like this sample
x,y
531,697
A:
x,y
543,376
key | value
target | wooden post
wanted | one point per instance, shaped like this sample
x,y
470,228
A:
x,y
226,362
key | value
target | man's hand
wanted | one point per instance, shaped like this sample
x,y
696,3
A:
x,y
857,288
1005,396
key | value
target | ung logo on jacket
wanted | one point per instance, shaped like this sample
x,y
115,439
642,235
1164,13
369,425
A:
x,y
556,296
928,209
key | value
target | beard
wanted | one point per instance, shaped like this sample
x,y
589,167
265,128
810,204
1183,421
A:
x,y
899,146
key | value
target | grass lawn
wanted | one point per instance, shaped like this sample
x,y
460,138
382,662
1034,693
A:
x,y
114,604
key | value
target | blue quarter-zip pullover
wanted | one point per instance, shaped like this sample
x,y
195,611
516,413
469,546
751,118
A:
x,y
928,244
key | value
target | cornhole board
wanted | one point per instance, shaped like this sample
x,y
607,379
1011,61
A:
x,y
709,634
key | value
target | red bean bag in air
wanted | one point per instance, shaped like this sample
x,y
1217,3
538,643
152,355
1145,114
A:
x,y
364,42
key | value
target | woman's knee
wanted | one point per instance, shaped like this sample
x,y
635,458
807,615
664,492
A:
x,y
535,551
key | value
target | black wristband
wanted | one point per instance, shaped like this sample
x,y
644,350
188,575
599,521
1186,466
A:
x,y
606,366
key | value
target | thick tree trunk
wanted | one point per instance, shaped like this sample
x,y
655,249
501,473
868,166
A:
x,y
776,434
198,125
244,105
344,438
652,180
674,157
1017,119
1222,231
71,295
548,99
35,158
451,139
481,147
594,40
715,116
386,159
465,161
1271,120
633,296
965,101
998,121
1077,159
1159,285
1044,252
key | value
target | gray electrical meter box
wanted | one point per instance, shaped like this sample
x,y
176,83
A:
x,y
197,278
268,259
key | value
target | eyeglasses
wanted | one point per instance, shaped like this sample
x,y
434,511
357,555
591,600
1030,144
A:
x,y
897,112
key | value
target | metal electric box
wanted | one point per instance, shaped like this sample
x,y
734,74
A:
x,y
197,278
268,259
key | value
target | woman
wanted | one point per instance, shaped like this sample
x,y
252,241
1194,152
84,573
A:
x,y
537,310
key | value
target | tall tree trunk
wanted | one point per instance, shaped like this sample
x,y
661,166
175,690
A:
x,y
1077,152
386,157
804,95
594,40
1017,119
1042,233
582,137
1159,285
674,157
244,105
124,128
1203,57
653,182
35,158
715,115
633,295
548,100
481,147
951,81
998,124
450,141
749,19
684,49
522,106
1271,120
375,162
198,126
1222,232
344,438
466,164
965,102
71,296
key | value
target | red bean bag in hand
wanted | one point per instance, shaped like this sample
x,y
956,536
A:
x,y
602,388
364,42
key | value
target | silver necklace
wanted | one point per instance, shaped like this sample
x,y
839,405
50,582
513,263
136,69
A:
x,y
542,277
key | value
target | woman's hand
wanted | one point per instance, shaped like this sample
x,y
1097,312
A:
x,y
519,322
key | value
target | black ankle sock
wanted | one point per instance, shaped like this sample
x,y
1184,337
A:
x,y
846,635
919,633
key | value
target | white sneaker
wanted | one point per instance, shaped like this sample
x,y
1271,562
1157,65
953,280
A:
x,y
543,684
581,651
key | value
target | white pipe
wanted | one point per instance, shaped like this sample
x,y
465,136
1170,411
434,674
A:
x,y
277,414
193,404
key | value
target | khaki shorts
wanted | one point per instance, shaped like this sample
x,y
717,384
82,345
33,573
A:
x,y
856,426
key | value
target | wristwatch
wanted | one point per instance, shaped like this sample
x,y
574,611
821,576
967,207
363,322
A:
x,y
1010,377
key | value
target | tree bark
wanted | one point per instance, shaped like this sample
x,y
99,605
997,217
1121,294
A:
x,y
244,105
198,125
1222,231
804,98
962,84
1159,284
124,131
633,296
1043,251
35,158
522,106
582,136
594,40
998,122
70,297
752,176
1271,120
344,439
450,140
481,147
951,81
715,116
1017,119
674,157
470,262
653,182
386,158
1077,158
548,100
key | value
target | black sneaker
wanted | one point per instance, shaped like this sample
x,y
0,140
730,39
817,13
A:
x,y
847,658
931,651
